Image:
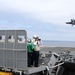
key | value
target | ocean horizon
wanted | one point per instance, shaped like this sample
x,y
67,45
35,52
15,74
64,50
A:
x,y
55,43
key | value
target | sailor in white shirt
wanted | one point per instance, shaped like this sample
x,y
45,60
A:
x,y
36,51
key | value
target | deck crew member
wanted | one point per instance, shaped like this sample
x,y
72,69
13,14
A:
x,y
34,37
36,51
30,48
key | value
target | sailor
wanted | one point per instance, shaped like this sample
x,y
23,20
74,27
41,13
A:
x,y
33,40
36,51
30,48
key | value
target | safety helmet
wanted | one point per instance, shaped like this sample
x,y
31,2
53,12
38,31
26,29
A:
x,y
29,40
35,36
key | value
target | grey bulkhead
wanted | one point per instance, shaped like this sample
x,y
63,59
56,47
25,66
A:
x,y
13,54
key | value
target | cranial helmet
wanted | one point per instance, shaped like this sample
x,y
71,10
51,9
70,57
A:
x,y
35,36
29,40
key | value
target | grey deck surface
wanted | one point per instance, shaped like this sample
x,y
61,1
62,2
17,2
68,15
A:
x,y
31,70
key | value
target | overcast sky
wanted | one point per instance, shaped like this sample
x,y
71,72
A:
x,y
45,18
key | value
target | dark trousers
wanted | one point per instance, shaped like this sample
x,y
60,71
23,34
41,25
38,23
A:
x,y
36,58
30,59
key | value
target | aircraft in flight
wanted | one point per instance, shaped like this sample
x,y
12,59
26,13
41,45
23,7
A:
x,y
72,22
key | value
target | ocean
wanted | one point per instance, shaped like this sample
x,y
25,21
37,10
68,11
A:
x,y
50,43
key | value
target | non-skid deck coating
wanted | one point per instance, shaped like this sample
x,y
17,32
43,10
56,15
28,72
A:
x,y
31,70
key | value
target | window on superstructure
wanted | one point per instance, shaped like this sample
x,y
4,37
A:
x,y
21,39
11,39
2,38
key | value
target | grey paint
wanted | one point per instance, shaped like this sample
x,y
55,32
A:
x,y
13,55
